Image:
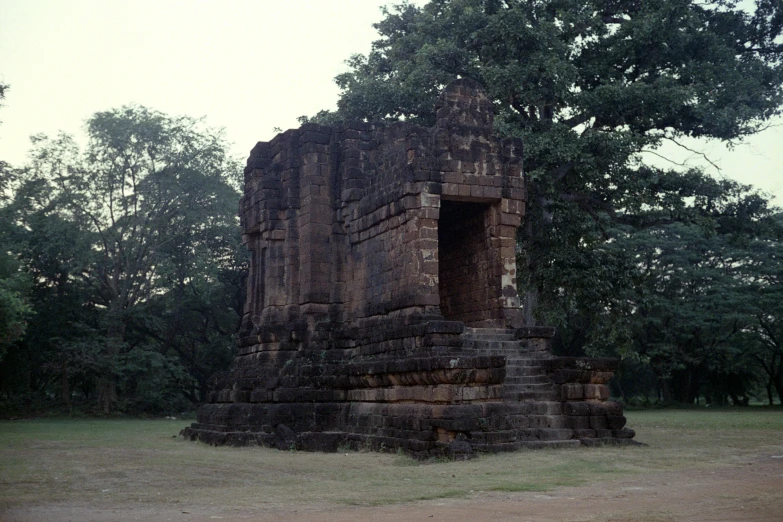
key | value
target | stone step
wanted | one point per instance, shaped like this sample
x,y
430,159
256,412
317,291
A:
x,y
521,396
505,343
546,407
524,362
493,437
517,360
523,371
511,351
488,334
532,387
494,346
527,444
549,434
549,421
469,331
510,354
511,360
527,379
539,444
484,341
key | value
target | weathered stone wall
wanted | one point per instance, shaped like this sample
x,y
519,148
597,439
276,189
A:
x,y
343,222
373,247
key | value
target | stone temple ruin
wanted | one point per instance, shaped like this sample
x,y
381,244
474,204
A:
x,y
382,309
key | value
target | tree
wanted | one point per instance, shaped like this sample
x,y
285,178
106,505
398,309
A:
x,y
14,309
146,211
690,309
588,85
678,296
763,336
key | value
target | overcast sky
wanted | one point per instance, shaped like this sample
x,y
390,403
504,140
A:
x,y
246,65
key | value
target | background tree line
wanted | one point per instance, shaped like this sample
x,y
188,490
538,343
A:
x,y
122,274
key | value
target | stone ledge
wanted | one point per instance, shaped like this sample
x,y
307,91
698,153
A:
x,y
534,332
592,364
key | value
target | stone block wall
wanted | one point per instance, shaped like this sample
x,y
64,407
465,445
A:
x,y
382,308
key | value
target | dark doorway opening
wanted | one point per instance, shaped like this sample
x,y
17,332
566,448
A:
x,y
463,262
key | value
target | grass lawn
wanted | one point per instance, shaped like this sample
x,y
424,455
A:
x,y
123,462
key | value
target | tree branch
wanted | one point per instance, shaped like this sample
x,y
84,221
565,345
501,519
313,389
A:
x,y
695,152
575,121
561,171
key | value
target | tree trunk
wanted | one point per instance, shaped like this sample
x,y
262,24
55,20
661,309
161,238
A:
x,y
778,383
107,393
679,387
64,384
620,388
775,373
666,394
529,304
530,300
737,401
770,397
107,384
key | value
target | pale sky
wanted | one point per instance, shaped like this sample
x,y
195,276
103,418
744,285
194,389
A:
x,y
245,65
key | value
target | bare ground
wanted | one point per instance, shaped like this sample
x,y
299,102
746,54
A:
x,y
747,491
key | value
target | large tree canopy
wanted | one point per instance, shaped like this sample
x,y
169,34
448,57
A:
x,y
614,66
589,85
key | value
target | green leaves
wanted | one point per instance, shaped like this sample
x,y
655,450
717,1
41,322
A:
x,y
14,310
116,238
622,257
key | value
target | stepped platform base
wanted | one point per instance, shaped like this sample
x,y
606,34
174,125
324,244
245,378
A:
x,y
335,441
501,390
